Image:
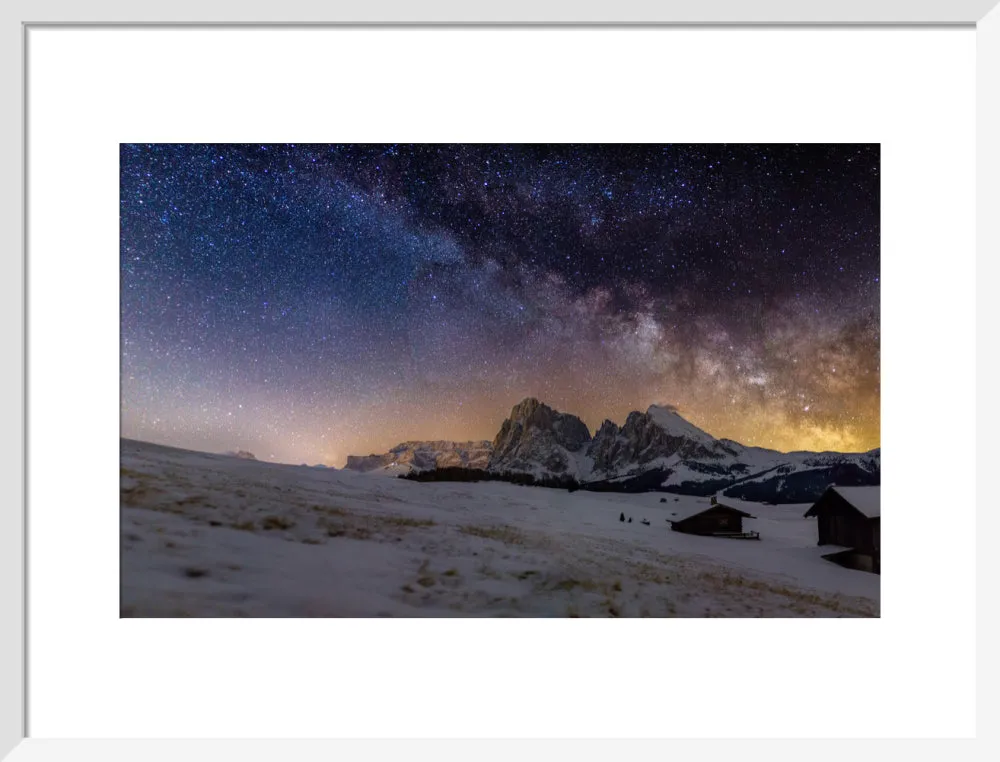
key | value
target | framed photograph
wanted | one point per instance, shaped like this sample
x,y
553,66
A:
x,y
347,372
433,333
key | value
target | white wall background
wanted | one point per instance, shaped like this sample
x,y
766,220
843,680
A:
x,y
912,672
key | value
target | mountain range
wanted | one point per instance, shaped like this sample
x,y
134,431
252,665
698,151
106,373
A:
x,y
655,450
423,456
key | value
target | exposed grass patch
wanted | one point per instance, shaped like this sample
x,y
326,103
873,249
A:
x,y
648,573
361,527
245,526
427,581
329,510
566,584
570,583
504,534
799,600
276,522
451,573
136,495
348,530
404,521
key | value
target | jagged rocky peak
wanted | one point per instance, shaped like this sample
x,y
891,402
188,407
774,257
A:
x,y
609,430
606,446
670,420
660,434
530,414
537,439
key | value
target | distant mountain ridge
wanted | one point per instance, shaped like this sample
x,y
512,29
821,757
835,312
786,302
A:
x,y
655,450
240,454
424,455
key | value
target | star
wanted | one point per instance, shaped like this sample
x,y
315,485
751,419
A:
x,y
355,296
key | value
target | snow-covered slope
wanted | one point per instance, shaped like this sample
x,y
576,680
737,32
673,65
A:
x,y
669,421
207,535
803,476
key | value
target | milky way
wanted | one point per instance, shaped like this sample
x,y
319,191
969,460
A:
x,y
307,302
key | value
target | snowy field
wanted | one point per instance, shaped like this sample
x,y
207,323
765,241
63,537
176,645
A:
x,y
212,535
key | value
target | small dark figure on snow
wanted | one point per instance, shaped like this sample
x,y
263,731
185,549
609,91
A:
x,y
644,521
629,519
622,517
663,500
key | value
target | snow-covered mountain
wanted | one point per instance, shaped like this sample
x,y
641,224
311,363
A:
x,y
656,438
423,456
657,450
540,441
803,476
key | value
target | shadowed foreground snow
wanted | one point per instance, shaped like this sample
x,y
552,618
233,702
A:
x,y
211,535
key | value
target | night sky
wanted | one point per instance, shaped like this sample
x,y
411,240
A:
x,y
307,302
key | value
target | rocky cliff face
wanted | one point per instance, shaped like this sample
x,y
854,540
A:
x,y
659,434
538,440
608,447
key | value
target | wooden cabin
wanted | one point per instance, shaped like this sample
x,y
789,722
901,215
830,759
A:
x,y
850,518
715,520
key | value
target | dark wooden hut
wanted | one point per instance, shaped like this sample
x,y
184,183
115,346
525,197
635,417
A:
x,y
850,518
716,520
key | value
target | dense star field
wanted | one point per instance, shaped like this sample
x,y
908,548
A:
x,y
307,302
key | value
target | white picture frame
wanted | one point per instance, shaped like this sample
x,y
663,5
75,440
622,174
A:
x,y
20,16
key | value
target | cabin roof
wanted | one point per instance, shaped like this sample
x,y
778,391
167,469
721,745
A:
x,y
865,499
682,514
